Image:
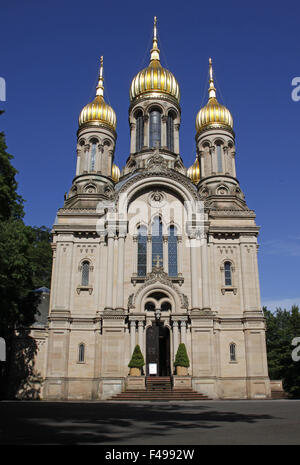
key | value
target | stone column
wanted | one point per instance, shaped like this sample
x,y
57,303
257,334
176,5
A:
x,y
149,254
204,272
120,279
110,268
233,163
183,331
132,138
164,131
165,255
135,255
175,337
194,276
146,131
201,163
78,162
86,163
132,336
141,335
176,138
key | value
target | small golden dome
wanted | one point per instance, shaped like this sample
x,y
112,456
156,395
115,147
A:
x,y
194,172
213,114
98,110
115,173
154,78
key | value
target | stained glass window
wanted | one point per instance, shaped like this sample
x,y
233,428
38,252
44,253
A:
x,y
139,131
227,270
142,251
155,128
157,242
172,251
85,273
232,352
81,353
170,132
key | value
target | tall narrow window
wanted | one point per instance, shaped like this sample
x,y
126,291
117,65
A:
x,y
157,242
85,273
142,251
93,155
228,273
219,157
172,251
155,128
81,353
170,132
139,131
232,350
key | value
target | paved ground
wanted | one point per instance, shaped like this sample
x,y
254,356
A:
x,y
145,423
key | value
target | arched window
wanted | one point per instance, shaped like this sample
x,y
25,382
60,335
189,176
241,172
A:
x,y
157,242
142,251
85,273
232,350
155,128
139,131
170,131
81,353
219,156
228,274
172,251
93,154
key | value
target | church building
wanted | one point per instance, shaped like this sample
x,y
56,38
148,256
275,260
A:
x,y
154,254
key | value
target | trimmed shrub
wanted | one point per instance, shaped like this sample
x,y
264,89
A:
x,y
137,359
182,358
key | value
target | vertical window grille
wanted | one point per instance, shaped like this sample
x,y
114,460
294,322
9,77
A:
x,y
172,251
81,353
155,128
170,132
219,158
157,242
228,274
232,352
139,131
93,156
85,273
142,251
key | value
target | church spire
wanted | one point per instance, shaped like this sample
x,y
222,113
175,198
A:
x,y
155,50
100,86
212,89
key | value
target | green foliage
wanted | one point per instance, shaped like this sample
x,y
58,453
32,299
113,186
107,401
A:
x,y
11,204
137,359
282,327
40,255
182,358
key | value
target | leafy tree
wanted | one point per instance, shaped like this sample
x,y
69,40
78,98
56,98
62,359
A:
x,y
282,327
137,359
182,358
25,263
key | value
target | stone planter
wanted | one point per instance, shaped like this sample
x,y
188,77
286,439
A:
x,y
181,371
135,372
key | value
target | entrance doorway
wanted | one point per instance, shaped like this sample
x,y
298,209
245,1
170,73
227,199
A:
x,y
158,348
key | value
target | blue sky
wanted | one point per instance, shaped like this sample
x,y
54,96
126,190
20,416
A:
x,y
49,57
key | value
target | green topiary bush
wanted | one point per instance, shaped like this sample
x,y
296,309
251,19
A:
x,y
182,359
137,359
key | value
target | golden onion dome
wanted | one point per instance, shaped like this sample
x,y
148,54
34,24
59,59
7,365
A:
x,y
154,78
213,114
194,172
98,111
115,173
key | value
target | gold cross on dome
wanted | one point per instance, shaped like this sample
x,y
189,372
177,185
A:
x,y
159,261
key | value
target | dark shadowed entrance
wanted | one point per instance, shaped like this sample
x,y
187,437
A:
x,y
158,348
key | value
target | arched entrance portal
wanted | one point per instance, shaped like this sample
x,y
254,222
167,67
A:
x,y
158,348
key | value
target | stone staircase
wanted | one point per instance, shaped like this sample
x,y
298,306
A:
x,y
159,388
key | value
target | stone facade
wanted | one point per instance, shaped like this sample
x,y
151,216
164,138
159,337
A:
x,y
102,303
